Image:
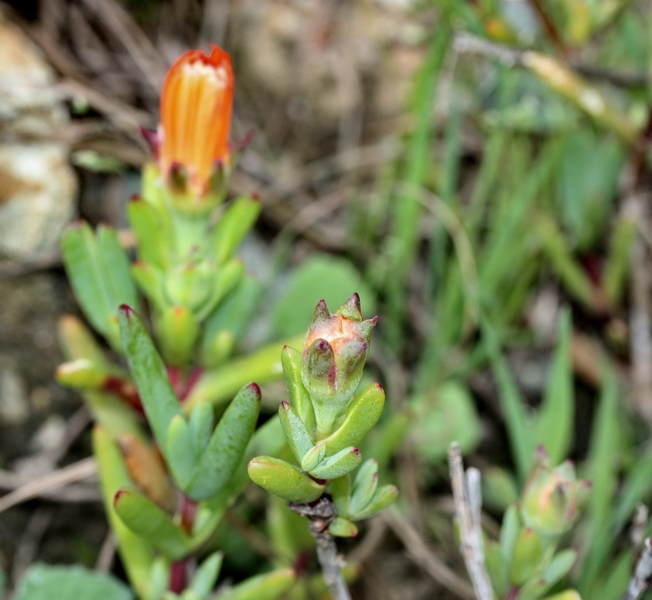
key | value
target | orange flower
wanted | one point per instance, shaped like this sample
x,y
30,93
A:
x,y
196,114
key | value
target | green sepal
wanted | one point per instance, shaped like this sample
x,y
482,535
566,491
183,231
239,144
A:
x,y
201,426
178,331
364,486
151,232
383,497
342,527
150,280
267,586
146,519
136,553
283,479
157,396
341,491
299,396
313,457
528,557
299,440
180,451
337,465
226,447
203,581
234,224
362,414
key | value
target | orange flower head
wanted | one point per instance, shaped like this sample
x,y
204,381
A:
x,y
196,107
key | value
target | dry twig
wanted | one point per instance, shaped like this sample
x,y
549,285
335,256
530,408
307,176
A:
x,y
468,504
642,574
423,556
319,515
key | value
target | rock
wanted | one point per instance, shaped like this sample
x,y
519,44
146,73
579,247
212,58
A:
x,y
37,184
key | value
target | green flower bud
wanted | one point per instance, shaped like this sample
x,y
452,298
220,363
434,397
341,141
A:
x,y
553,497
335,351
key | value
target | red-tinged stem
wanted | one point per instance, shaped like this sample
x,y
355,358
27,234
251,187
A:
x,y
178,576
513,593
181,384
188,513
125,390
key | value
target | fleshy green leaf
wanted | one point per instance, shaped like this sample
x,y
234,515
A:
x,y
136,553
299,396
383,497
297,435
283,479
85,272
364,486
267,586
43,582
342,527
180,451
313,457
362,414
146,519
337,465
233,226
203,581
178,331
159,400
226,447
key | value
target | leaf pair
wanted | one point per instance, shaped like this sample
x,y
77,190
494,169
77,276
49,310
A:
x,y
201,460
361,500
99,272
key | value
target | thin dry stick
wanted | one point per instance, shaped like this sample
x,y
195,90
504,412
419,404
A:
x,y
423,556
468,504
642,574
79,470
319,516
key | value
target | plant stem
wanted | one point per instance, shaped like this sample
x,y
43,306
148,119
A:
x,y
320,514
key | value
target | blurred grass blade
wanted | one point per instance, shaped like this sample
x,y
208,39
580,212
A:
x,y
570,272
554,424
512,403
402,243
618,260
602,472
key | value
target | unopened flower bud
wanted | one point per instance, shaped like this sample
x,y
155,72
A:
x,y
335,350
553,497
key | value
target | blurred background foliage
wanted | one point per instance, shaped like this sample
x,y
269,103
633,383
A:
x,y
479,171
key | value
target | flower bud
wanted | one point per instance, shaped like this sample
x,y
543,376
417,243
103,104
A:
x,y
334,354
553,497
193,151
